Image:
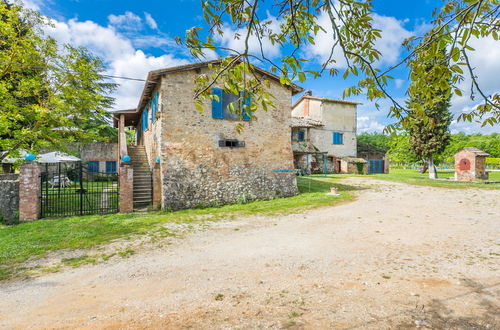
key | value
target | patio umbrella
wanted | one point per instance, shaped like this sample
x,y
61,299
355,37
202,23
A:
x,y
57,157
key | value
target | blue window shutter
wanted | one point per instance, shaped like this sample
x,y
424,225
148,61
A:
x,y
217,105
246,104
152,107
334,134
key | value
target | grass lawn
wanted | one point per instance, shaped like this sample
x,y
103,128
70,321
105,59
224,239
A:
x,y
416,178
34,240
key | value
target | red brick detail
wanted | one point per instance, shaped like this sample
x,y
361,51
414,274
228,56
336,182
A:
x,y
126,184
29,191
157,187
464,164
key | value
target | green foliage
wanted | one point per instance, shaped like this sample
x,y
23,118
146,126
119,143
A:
x,y
378,140
427,124
50,94
399,149
488,143
353,38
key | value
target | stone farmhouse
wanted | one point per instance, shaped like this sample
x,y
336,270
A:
x,y
324,135
185,158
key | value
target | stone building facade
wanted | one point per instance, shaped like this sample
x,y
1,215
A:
x,y
203,160
330,133
470,165
9,198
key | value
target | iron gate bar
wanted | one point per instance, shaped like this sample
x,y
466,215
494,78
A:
x,y
75,191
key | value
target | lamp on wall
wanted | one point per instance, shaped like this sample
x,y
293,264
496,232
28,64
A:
x,y
158,159
126,158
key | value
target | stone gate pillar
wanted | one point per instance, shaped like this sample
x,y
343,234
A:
x,y
156,187
30,187
126,184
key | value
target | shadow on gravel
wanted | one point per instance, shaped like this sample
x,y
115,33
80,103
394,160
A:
x,y
436,315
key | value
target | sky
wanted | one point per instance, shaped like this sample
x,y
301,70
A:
x,y
134,37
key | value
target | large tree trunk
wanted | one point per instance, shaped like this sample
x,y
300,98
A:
x,y
432,169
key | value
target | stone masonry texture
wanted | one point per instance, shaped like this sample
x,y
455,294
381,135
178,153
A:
x,y
197,172
9,198
29,191
126,185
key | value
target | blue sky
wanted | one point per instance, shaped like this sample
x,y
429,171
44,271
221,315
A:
x,y
134,37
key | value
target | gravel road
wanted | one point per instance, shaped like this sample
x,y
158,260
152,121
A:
x,y
399,256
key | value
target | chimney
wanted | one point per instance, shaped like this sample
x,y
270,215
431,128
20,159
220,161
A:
x,y
308,92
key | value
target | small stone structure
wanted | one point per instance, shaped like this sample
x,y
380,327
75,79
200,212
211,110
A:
x,y
470,165
353,165
9,198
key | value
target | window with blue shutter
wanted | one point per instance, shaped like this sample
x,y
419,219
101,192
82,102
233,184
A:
x,y
110,166
338,138
301,136
246,106
221,109
93,166
154,106
145,119
217,104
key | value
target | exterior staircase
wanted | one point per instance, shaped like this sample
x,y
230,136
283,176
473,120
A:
x,y
143,187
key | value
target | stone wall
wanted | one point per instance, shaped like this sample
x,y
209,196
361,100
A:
x,y
9,198
98,151
197,172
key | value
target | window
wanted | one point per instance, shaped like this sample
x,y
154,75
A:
x,y
93,166
301,136
221,110
111,167
338,138
231,143
145,119
154,106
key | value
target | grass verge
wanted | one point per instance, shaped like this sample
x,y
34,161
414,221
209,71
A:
x,y
29,241
416,178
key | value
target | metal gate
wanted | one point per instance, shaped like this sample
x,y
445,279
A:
x,y
375,166
77,188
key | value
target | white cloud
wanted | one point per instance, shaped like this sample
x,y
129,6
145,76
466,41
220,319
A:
x,y
150,21
393,34
118,52
398,83
32,4
128,21
235,39
369,124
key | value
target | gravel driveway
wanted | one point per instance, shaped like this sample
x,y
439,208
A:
x,y
399,256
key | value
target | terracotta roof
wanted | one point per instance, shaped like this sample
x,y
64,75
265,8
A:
x,y
304,122
474,151
324,99
154,77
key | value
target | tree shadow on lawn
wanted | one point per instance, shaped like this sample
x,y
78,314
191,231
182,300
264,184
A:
x,y
307,184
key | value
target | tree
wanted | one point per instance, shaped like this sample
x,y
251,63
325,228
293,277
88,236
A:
x,y
353,40
428,123
50,94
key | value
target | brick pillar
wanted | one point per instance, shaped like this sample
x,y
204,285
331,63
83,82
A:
x,y
126,182
30,187
156,187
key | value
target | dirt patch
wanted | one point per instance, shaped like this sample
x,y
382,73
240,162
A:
x,y
399,256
